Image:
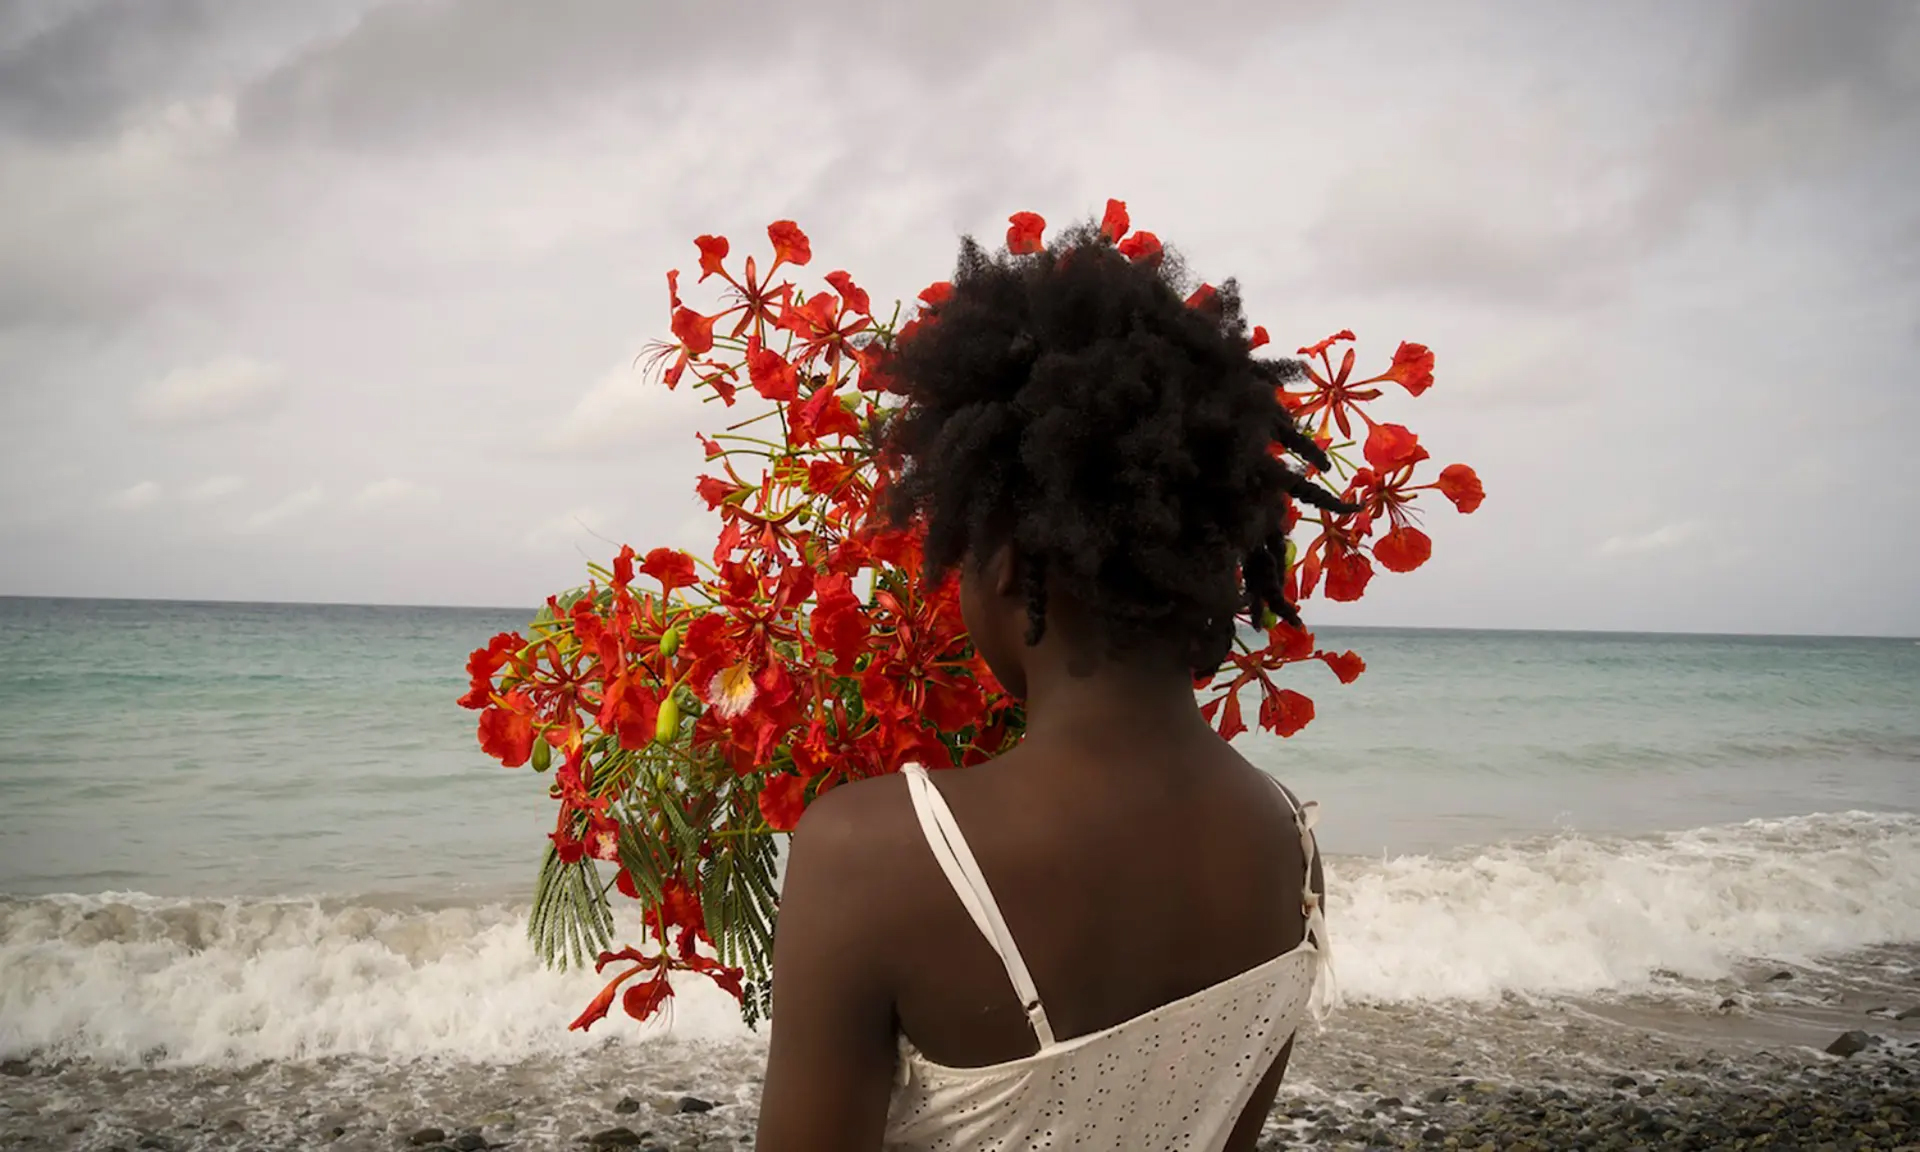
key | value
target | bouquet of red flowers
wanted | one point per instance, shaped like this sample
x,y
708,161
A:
x,y
687,709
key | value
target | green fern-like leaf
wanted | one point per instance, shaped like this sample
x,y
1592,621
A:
x,y
570,922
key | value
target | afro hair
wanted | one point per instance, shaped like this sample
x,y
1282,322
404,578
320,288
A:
x,y
1116,432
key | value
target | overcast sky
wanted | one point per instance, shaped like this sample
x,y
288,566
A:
x,y
337,301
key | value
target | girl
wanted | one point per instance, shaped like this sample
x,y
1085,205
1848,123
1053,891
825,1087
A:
x,y
1106,937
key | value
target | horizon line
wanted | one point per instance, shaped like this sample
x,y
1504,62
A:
x,y
530,610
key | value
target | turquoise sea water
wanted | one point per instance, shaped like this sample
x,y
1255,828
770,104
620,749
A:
x,y
236,832
232,749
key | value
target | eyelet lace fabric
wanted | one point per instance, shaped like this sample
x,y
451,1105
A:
x,y
1176,1077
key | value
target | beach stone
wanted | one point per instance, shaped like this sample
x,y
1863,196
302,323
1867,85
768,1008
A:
x,y
335,1132
627,1106
1851,1043
425,1136
1912,1013
1624,1082
620,1137
1729,1004
496,1120
1780,976
1647,1089
15,1068
1438,1095
693,1104
470,1142
155,1141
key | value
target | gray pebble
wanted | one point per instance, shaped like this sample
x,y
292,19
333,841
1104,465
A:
x,y
1851,1043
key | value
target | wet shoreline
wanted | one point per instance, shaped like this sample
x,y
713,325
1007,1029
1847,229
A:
x,y
1521,1074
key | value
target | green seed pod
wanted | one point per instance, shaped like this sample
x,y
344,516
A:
x,y
1292,552
670,641
542,756
668,725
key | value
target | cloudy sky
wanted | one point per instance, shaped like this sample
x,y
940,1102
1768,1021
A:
x,y
337,301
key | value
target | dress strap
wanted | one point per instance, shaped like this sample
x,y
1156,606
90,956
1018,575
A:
x,y
1305,816
963,873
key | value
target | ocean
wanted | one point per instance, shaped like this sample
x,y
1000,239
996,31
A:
x,y
257,884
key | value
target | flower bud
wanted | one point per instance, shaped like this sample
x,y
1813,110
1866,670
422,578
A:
x,y
668,725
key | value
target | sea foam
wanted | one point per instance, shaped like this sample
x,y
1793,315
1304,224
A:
x,y
126,977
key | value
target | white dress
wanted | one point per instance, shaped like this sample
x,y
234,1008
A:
x,y
1177,1077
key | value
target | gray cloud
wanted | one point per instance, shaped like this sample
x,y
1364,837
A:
x,y
1866,50
79,68
411,72
1650,246
223,390
1549,203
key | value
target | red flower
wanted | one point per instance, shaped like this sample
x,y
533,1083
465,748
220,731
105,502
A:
x,y
782,800
716,491
839,626
651,994
1141,246
936,293
680,908
1461,485
1289,643
770,373
713,250
823,325
1231,723
1393,446
821,416
1347,665
1402,549
506,733
694,331
1412,368
1023,233
1320,349
1258,338
1347,574
1205,298
628,709
1285,712
790,245
482,665
1115,223
851,295
644,999
673,568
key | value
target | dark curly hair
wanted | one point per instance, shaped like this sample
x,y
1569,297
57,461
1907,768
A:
x,y
1072,403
